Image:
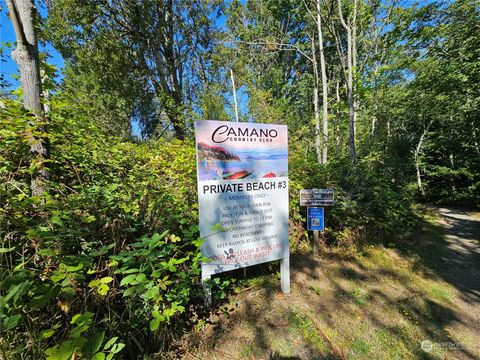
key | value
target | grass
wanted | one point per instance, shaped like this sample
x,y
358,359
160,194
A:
x,y
441,293
315,289
377,304
247,351
358,297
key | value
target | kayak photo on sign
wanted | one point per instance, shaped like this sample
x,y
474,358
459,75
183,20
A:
x,y
227,152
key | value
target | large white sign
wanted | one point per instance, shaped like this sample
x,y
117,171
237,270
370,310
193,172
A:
x,y
242,171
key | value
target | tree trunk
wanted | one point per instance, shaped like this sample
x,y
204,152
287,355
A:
x,y
338,119
318,146
375,104
418,150
354,70
475,141
350,86
324,87
234,96
350,100
22,13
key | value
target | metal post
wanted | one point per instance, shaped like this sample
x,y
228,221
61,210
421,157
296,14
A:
x,y
285,275
207,289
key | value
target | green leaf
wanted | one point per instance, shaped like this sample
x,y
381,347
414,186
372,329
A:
x,y
103,289
5,250
128,279
45,334
117,348
82,318
63,351
97,342
57,276
89,218
130,291
156,237
152,293
130,271
75,268
98,356
11,322
141,277
68,292
106,280
46,252
94,283
12,292
158,316
154,324
56,220
110,342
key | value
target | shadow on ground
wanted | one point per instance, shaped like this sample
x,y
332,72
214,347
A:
x,y
380,304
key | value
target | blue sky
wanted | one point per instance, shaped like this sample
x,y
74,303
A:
x,y
7,35
9,69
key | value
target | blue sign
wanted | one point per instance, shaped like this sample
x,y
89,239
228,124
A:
x,y
315,218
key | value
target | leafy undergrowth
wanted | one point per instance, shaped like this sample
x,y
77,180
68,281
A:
x,y
105,264
377,304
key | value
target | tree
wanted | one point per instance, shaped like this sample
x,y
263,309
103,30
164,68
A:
x,y
349,23
24,18
169,45
324,83
321,136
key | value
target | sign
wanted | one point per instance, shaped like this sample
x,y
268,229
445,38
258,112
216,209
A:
x,y
317,197
315,219
242,173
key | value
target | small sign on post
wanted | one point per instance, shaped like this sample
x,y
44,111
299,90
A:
x,y
317,197
316,223
315,215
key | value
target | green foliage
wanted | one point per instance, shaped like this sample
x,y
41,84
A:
x,y
136,61
372,202
445,91
111,253
79,273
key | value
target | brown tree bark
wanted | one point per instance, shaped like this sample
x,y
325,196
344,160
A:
x,y
23,14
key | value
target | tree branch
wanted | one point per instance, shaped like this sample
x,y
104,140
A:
x,y
283,45
17,23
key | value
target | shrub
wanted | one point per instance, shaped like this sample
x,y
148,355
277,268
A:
x,y
109,255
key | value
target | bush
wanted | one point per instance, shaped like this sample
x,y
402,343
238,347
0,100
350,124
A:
x,y
371,204
109,255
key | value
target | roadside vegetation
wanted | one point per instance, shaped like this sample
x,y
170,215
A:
x,y
99,240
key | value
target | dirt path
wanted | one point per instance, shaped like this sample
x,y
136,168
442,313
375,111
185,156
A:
x,y
462,266
463,263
